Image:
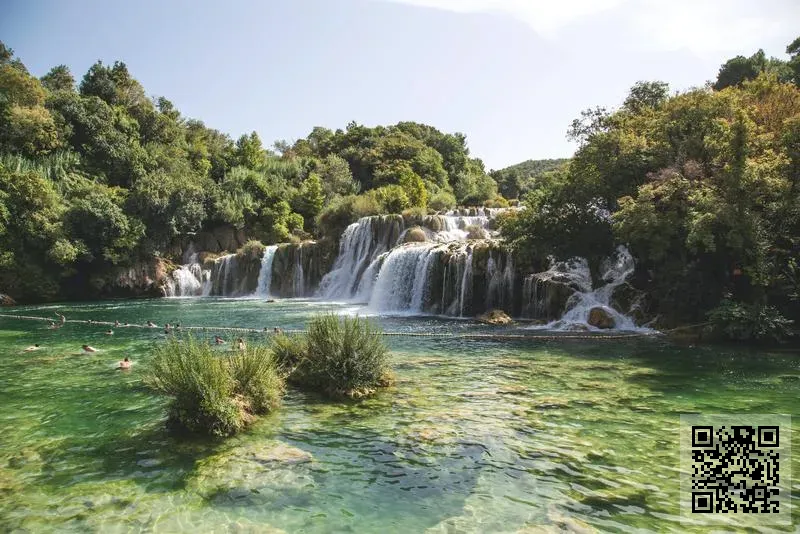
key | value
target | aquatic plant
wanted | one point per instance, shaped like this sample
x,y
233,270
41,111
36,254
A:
x,y
343,357
213,394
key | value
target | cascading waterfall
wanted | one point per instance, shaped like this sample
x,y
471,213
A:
x,y
575,274
189,279
446,264
265,274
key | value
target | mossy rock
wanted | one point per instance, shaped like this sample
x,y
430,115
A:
x,y
415,235
600,318
495,317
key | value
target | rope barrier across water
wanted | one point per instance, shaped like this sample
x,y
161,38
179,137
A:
x,y
477,336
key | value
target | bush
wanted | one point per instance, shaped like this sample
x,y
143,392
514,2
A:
x,y
442,201
497,202
212,394
392,198
415,213
366,205
343,357
742,322
287,352
256,379
252,250
475,232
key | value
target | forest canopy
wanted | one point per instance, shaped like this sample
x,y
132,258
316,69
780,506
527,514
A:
x,y
95,174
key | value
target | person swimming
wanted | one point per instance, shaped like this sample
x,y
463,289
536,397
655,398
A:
x,y
240,345
116,324
87,348
109,332
61,317
125,364
32,348
218,340
167,328
151,324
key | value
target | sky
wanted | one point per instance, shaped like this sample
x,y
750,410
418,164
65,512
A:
x,y
510,74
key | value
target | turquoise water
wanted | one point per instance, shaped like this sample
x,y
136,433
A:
x,y
476,436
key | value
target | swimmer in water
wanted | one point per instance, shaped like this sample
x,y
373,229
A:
x,y
61,317
218,340
109,332
125,364
116,324
87,348
240,344
151,324
32,348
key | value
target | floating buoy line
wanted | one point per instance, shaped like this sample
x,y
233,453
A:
x,y
272,331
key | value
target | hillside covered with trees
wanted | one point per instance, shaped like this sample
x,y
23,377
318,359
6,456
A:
x,y
703,186
95,176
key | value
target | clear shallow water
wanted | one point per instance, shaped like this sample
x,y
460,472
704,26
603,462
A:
x,y
476,436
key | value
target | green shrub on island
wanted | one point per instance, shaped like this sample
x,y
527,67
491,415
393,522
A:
x,y
339,357
288,352
214,394
735,321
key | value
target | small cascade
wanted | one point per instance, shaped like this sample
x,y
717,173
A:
x,y
189,279
299,278
402,278
361,244
265,274
565,293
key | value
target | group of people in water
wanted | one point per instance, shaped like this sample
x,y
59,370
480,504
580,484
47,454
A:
x,y
126,362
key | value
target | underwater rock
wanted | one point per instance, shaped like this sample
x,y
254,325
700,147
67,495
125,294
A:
x,y
600,318
6,300
495,317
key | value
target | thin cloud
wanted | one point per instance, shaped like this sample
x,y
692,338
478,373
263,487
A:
x,y
701,26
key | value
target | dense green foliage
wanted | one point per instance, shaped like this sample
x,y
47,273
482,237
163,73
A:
x,y
703,187
749,322
95,177
516,180
214,394
339,357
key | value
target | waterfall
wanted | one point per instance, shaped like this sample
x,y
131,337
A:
x,y
370,245
401,282
569,285
265,274
299,279
615,271
361,244
189,279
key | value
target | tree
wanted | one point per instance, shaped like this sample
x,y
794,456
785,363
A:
x,y
337,180
249,151
59,78
646,95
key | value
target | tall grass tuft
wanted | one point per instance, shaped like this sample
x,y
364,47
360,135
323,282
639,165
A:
x,y
256,379
288,352
343,357
211,393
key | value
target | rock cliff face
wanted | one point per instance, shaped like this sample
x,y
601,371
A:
x,y
142,279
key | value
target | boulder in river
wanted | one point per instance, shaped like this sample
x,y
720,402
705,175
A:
x,y
6,300
600,318
495,317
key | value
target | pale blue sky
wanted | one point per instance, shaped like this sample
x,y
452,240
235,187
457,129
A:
x,y
510,74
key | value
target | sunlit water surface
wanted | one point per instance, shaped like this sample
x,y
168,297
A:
x,y
476,436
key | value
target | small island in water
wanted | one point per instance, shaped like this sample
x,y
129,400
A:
x,y
367,330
